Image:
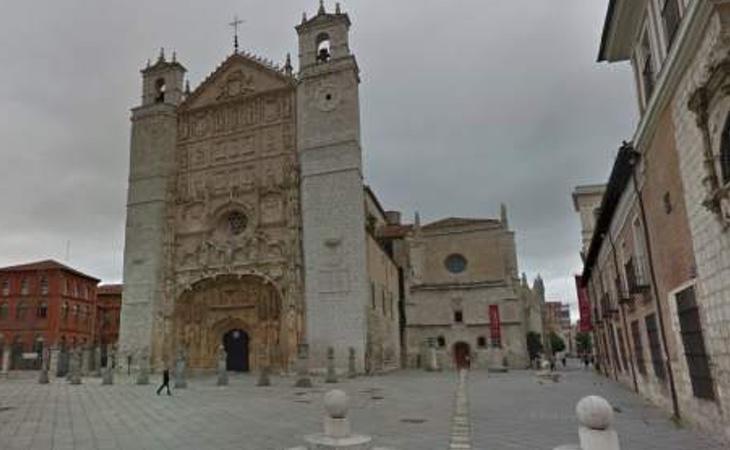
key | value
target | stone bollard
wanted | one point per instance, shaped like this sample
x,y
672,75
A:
x,y
43,375
433,361
264,378
75,369
222,366
107,378
337,433
331,372
595,430
53,357
5,364
351,367
86,361
303,380
97,361
180,381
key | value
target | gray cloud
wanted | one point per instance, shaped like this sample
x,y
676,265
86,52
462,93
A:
x,y
465,104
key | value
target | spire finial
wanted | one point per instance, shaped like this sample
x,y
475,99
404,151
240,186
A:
x,y
161,58
187,87
149,63
503,215
304,16
174,56
321,7
287,66
236,22
337,8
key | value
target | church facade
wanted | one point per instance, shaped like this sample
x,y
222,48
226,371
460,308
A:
x,y
241,190
249,227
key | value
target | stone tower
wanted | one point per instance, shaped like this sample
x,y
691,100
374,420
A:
x,y
154,135
332,196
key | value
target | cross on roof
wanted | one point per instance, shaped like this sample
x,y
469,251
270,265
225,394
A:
x,y
236,22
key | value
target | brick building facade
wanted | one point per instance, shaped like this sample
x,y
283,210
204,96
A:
x,y
49,305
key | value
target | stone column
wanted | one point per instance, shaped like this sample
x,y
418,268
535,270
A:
x,y
53,361
222,366
351,364
180,366
6,363
303,380
331,371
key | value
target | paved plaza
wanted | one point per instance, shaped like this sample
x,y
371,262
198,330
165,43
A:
x,y
407,410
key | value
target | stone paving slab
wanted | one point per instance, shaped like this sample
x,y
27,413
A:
x,y
407,410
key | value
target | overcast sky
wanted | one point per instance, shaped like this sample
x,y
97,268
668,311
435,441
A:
x,y
465,104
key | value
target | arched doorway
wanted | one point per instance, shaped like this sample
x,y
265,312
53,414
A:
x,y
461,355
235,343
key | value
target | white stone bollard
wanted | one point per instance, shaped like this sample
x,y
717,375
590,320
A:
x,y
337,433
595,432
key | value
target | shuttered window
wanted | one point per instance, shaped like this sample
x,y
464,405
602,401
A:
x,y
622,347
612,338
694,344
655,347
638,347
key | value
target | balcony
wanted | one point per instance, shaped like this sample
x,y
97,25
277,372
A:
x,y
636,275
624,297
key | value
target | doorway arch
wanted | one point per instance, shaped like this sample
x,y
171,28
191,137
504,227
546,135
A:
x,y
462,358
235,342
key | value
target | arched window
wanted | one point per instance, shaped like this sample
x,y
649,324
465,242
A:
x,y
725,153
3,310
160,88
42,310
20,310
323,47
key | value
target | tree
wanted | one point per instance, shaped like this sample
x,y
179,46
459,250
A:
x,y
583,343
534,344
556,342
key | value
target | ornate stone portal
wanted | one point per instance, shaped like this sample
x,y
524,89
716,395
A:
x,y
240,305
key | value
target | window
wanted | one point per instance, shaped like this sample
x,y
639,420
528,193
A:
x,y
441,341
638,347
160,88
672,18
481,342
383,296
667,201
647,68
694,344
725,153
24,289
237,222
622,348
44,285
372,296
64,311
3,311
614,348
455,263
75,290
75,312
6,288
323,47
458,317
42,310
655,347
20,310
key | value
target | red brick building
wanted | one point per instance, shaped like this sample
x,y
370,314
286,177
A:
x,y
108,310
44,304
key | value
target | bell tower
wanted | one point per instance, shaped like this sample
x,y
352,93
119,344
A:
x,y
151,174
332,195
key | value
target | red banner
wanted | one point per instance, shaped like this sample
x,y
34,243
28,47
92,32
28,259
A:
x,y
494,324
584,306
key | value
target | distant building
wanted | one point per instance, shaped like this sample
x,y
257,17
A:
x,y
587,203
464,295
108,310
44,304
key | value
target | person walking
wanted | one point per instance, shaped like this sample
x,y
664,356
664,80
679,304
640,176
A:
x,y
165,382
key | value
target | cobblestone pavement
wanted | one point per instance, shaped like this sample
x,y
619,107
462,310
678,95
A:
x,y
407,410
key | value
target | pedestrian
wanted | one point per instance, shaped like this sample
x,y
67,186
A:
x,y
552,363
165,382
586,361
565,361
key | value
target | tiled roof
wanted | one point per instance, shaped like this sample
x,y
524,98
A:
x,y
109,289
47,264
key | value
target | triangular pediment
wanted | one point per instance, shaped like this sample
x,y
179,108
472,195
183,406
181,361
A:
x,y
238,76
